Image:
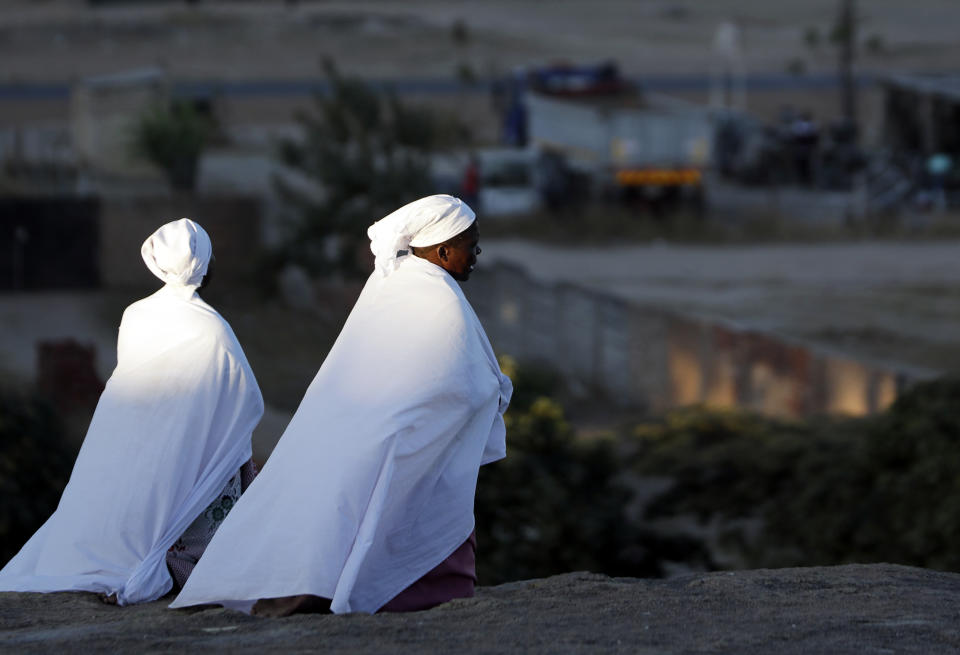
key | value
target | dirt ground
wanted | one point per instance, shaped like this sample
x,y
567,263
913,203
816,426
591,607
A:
x,y
858,609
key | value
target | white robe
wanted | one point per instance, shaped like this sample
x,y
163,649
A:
x,y
372,484
172,426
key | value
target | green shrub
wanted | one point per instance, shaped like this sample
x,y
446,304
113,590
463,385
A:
x,y
913,455
530,382
557,503
552,505
728,466
828,491
705,488
35,464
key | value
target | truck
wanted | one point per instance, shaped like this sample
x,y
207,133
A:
x,y
628,144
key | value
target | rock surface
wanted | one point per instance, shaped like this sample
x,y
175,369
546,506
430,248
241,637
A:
x,y
877,608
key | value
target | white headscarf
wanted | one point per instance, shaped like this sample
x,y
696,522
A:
x,y
178,253
424,222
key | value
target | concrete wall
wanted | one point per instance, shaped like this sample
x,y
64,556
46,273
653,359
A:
x,y
644,356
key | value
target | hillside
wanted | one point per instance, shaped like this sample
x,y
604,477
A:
x,y
846,609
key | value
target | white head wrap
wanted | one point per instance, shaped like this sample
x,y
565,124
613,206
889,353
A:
x,y
178,253
424,222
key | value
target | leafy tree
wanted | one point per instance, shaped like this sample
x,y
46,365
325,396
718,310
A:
x,y
368,153
173,137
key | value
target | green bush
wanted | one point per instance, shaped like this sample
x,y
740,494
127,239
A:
x,y
557,503
882,488
552,505
912,454
726,466
729,489
35,464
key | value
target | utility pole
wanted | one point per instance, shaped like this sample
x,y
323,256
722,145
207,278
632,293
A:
x,y
846,34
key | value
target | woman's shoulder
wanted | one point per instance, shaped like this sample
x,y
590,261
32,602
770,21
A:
x,y
417,275
173,313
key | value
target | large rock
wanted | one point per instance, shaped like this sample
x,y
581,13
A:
x,y
876,608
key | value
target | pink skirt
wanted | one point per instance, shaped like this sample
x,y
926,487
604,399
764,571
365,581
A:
x,y
454,577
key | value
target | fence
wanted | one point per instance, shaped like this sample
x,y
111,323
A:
x,y
646,356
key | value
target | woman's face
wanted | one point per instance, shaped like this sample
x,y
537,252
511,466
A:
x,y
460,254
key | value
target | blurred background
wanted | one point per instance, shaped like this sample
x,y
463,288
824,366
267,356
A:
x,y
720,247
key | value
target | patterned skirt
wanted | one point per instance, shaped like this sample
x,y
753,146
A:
x,y
184,554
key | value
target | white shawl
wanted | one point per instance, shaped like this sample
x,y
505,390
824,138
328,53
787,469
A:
x,y
372,484
172,426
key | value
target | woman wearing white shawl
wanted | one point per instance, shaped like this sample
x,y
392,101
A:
x,y
372,484
171,428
